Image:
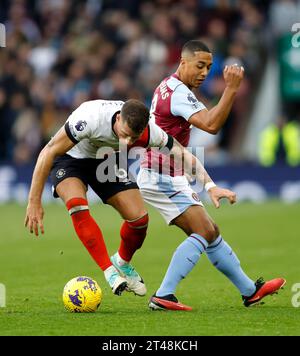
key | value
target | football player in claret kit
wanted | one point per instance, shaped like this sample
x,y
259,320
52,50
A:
x,y
175,108
71,158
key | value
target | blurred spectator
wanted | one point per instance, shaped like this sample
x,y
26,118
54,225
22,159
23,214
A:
x,y
62,52
20,22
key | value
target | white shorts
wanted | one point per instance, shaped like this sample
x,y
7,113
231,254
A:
x,y
170,195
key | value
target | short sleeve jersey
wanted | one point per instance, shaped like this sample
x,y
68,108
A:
x,y
173,104
90,127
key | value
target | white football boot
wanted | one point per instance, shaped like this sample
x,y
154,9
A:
x,y
117,283
135,282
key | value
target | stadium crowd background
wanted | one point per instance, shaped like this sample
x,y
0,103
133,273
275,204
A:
x,y
60,53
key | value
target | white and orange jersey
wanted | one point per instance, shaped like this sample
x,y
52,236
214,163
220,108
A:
x,y
90,126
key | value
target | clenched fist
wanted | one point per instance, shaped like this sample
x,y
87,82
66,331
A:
x,y
233,76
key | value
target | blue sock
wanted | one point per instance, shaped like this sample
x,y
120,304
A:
x,y
183,261
225,260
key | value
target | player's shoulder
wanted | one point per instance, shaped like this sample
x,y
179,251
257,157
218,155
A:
x,y
169,83
99,110
167,87
94,116
103,104
173,83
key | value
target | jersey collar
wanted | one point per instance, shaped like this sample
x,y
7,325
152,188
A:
x,y
174,75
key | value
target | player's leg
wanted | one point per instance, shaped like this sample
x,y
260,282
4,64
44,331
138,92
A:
x,y
172,198
178,204
200,232
130,205
222,256
73,193
72,190
181,208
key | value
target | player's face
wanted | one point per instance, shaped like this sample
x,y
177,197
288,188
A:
x,y
195,68
125,134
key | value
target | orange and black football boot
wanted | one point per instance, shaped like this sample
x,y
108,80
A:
x,y
263,289
167,302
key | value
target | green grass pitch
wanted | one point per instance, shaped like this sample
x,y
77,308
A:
x,y
34,272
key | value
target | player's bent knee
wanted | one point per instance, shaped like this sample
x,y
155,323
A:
x,y
139,223
210,233
217,230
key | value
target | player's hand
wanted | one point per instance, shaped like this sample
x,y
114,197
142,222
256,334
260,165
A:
x,y
217,193
34,218
233,76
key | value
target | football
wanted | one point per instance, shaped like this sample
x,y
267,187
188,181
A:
x,y
82,295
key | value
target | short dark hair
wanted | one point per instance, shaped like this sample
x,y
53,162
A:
x,y
195,46
136,115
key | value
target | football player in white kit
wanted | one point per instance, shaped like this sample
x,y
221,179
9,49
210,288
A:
x,y
72,159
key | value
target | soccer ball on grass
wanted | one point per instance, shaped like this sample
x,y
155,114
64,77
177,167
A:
x,y
82,295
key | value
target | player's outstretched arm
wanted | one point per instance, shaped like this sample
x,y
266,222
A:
x,y
193,167
57,146
213,120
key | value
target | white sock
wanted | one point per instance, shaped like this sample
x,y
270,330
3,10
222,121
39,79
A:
x,y
120,261
109,271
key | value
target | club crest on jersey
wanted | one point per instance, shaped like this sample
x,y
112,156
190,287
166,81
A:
x,y
191,98
81,125
195,197
60,173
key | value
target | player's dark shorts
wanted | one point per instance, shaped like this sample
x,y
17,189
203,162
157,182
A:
x,y
85,169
